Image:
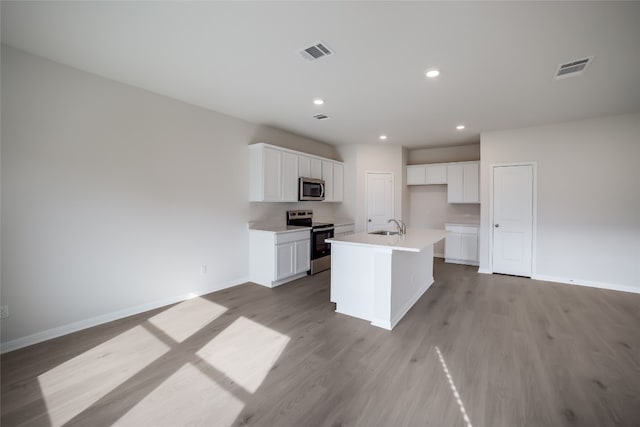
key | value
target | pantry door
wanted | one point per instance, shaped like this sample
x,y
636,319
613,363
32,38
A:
x,y
379,201
513,193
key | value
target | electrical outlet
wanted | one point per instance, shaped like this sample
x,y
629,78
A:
x,y
4,311
203,269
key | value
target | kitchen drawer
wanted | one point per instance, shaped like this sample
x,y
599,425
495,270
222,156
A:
x,y
465,229
292,236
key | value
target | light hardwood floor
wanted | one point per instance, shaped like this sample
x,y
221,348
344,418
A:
x,y
518,353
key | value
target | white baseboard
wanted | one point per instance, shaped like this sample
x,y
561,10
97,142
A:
x,y
588,283
460,261
59,331
484,271
287,280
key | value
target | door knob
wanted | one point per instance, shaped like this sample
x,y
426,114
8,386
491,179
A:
x,y
369,219
497,226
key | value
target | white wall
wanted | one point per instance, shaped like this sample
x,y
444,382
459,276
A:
x,y
460,153
358,160
428,206
113,197
588,197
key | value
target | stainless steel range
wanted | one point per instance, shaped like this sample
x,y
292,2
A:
x,y
320,250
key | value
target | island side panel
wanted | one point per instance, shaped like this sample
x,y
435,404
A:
x,y
352,278
382,284
412,276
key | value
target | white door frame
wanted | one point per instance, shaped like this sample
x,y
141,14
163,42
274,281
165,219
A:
x,y
535,212
366,196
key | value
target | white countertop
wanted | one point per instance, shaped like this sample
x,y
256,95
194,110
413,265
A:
x,y
415,240
336,221
275,228
467,224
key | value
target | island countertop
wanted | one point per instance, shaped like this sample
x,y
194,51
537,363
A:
x,y
415,240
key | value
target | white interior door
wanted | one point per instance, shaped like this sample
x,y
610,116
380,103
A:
x,y
379,200
512,219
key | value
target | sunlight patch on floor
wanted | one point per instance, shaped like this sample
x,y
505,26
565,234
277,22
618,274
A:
x,y
72,387
185,319
456,395
188,397
245,352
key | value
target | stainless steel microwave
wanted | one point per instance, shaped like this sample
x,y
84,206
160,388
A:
x,y
311,189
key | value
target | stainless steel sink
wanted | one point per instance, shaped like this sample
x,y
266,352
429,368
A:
x,y
384,233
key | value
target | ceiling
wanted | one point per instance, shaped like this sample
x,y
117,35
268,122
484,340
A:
x,y
497,61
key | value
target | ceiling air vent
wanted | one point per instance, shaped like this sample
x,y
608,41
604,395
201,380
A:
x,y
573,68
321,117
316,51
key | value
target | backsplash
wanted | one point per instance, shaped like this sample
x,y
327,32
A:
x,y
275,213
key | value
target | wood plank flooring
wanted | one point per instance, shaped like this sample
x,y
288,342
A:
x,y
519,353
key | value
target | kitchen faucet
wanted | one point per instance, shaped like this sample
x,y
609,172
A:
x,y
402,229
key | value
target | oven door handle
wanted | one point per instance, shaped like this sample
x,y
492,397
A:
x,y
323,229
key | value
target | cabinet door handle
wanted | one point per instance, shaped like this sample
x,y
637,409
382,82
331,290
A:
x,y
497,226
369,219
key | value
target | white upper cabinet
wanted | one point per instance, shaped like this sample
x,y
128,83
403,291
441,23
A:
x,y
416,175
289,177
274,173
338,182
436,174
462,179
272,177
463,183
327,176
455,184
309,167
427,174
471,183
304,166
333,176
316,168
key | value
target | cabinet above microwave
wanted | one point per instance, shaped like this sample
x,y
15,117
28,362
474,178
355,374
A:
x,y
274,174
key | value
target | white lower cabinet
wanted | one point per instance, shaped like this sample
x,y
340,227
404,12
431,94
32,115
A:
x,y
461,244
292,258
276,258
302,260
285,258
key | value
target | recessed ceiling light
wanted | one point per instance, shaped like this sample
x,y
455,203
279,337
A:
x,y
383,137
460,127
433,73
318,101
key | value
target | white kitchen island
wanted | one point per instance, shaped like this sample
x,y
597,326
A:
x,y
379,278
